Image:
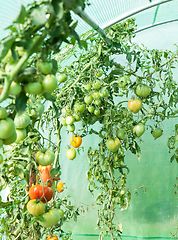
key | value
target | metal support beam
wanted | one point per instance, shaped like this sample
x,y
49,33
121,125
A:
x,y
133,12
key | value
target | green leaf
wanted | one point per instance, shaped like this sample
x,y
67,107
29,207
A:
x,y
58,8
21,102
21,17
5,45
38,16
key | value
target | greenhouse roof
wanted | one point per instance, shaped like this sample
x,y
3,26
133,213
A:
x,y
106,13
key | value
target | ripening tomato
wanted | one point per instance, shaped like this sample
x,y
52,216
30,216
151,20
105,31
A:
x,y
49,83
45,158
134,105
113,145
142,90
22,120
50,218
71,153
53,237
36,192
35,208
157,132
7,128
75,141
44,172
60,186
139,129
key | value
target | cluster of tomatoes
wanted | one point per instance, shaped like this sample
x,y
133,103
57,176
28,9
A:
x,y
75,142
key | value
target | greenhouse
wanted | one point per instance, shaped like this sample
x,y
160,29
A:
x,y
88,119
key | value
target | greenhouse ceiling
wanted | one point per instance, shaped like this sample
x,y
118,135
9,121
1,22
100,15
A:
x,y
105,13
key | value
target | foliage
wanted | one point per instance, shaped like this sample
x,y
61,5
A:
x,y
36,37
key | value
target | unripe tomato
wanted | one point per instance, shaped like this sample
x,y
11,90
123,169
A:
x,y
7,128
22,120
123,80
37,111
71,153
104,92
1,158
134,105
97,102
45,67
33,88
88,99
142,90
49,83
63,121
139,129
96,94
113,145
87,87
97,84
121,133
43,193
77,117
62,77
50,218
35,208
91,109
21,135
46,158
15,88
99,72
157,132
75,141
71,128
70,120
97,112
1,143
11,139
3,113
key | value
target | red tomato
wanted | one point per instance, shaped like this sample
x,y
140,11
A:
x,y
36,192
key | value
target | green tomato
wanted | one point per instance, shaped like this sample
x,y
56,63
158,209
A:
x,y
15,88
121,133
139,129
71,128
96,94
61,212
1,158
37,111
70,120
63,121
142,90
45,158
35,208
104,92
88,99
45,67
87,87
99,73
21,135
77,117
71,153
91,109
50,218
11,139
113,145
22,120
7,128
3,113
97,102
33,88
97,112
1,143
157,132
123,80
49,83
62,77
8,57
81,108
97,84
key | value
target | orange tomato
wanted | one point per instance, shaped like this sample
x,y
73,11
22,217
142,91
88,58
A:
x,y
44,174
53,237
75,141
59,186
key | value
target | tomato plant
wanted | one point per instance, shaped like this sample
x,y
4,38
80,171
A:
x,y
71,153
40,192
134,105
75,141
45,158
35,207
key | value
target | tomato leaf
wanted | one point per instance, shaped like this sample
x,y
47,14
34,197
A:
x,y
21,17
21,102
5,45
58,8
